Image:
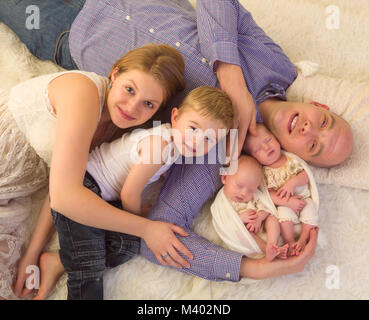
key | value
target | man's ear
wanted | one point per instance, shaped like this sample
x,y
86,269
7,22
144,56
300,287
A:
x,y
319,105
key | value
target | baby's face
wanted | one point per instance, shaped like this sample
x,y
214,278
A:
x,y
241,186
264,147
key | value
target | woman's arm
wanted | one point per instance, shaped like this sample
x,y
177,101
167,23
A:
x,y
76,102
148,164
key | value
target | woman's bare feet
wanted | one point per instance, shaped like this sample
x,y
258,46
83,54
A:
x,y
51,270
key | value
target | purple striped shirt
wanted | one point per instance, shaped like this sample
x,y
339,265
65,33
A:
x,y
219,30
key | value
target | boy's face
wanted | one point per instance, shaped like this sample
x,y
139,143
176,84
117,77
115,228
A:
x,y
264,147
242,186
195,135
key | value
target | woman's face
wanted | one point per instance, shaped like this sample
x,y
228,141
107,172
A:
x,y
134,98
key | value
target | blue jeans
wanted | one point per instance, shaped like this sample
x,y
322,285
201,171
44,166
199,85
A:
x,y
50,41
86,252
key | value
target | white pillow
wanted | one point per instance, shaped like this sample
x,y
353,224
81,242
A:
x,y
351,101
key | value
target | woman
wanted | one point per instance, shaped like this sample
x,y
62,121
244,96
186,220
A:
x,y
62,117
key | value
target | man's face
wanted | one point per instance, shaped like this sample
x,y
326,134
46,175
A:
x,y
310,131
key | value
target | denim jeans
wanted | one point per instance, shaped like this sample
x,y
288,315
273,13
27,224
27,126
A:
x,y
86,252
50,41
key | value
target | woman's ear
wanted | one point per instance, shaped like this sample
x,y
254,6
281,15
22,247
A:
x,y
319,105
114,74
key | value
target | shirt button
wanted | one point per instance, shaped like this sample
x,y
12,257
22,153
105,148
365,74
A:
x,y
228,275
203,60
151,30
128,17
178,44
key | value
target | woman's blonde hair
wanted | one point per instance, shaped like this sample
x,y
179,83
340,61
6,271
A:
x,y
209,102
161,61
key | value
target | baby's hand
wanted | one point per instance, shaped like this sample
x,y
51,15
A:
x,y
296,204
248,216
254,226
287,190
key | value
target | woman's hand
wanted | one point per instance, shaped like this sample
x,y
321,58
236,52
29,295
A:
x,y
20,283
160,238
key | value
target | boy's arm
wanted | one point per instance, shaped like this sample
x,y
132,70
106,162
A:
x,y
148,164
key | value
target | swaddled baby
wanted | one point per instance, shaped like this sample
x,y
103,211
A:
x,y
241,212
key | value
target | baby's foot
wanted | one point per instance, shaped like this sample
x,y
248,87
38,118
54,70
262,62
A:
x,y
291,249
299,246
51,270
283,251
271,251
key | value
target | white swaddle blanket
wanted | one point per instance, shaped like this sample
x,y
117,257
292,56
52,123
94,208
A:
x,y
232,230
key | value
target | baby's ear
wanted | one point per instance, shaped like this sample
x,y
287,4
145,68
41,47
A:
x,y
319,105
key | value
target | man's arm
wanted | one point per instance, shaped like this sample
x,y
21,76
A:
x,y
218,27
186,189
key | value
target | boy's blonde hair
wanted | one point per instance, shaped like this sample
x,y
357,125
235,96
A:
x,y
161,61
209,102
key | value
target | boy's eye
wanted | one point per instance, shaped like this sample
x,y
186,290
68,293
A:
x,y
194,128
130,90
149,104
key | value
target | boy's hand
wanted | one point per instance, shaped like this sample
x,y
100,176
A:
x,y
254,226
248,216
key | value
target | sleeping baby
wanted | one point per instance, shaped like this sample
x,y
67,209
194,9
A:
x,y
242,213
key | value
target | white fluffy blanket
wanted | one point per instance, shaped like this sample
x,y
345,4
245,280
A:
x,y
339,269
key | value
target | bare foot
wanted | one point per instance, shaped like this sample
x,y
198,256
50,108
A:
x,y
271,251
283,251
291,249
300,245
51,270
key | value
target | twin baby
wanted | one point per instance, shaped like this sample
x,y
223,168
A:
x,y
272,194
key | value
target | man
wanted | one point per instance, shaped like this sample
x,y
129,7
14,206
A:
x,y
222,46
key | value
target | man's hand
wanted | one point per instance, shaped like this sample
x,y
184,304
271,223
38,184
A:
x,y
263,269
232,81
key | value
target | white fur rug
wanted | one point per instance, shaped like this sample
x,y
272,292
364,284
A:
x,y
339,268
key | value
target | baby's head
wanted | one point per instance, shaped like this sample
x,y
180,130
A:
x,y
264,147
242,185
199,119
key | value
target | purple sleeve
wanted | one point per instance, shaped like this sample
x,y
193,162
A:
x,y
185,191
217,25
